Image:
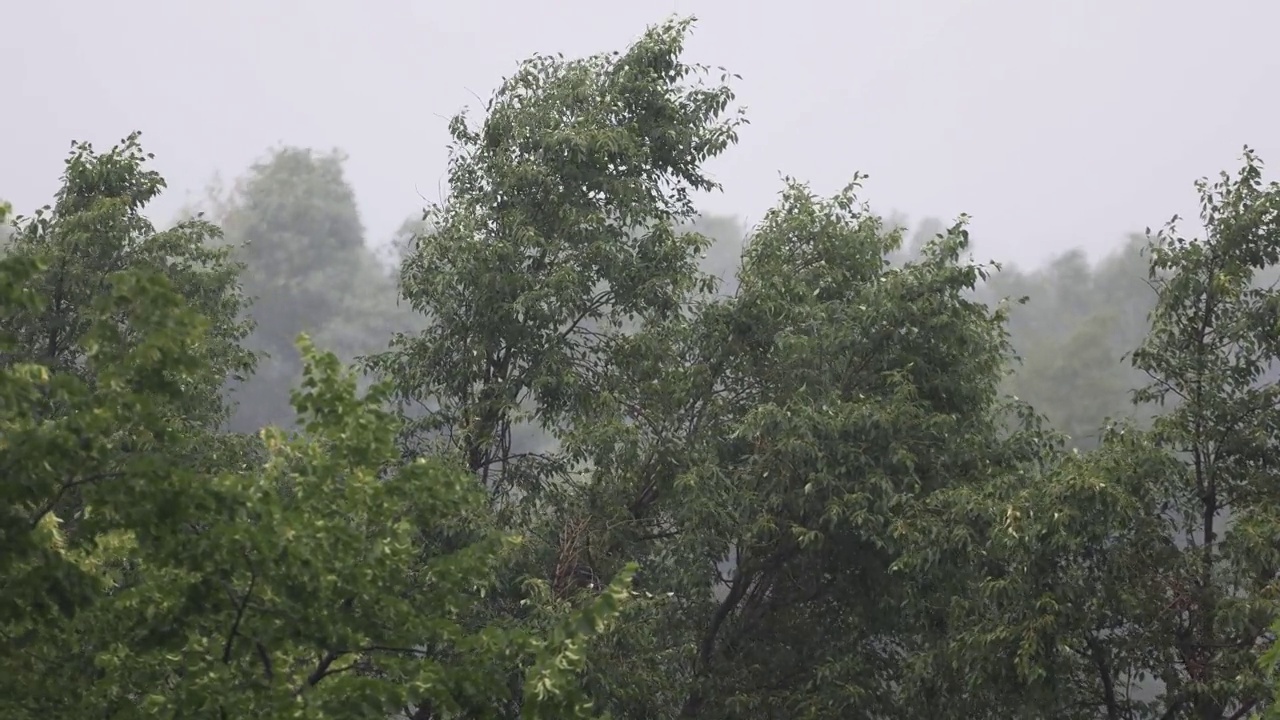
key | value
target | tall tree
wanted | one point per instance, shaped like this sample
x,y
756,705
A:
x,y
558,227
559,239
771,435
784,431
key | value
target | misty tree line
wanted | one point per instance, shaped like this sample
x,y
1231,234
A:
x,y
580,451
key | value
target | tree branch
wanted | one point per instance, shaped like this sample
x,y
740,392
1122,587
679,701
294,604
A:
x,y
235,625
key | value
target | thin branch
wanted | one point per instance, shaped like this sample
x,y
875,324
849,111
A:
x,y
235,625
62,491
265,657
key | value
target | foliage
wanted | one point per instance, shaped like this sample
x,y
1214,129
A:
x,y
95,228
1214,336
297,586
793,453
558,227
828,393
290,590
1139,581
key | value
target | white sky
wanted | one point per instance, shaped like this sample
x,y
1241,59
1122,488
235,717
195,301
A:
x,y
1055,123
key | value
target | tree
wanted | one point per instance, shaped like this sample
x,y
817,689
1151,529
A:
x,y
783,432
769,436
293,223
559,226
1214,336
6,230
95,229
728,237
293,587
1071,332
558,240
1138,581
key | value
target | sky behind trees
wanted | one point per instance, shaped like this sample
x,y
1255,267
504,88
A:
x,y
1056,125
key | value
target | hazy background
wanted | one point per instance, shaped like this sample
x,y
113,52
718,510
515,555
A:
x,y
1055,124
1058,125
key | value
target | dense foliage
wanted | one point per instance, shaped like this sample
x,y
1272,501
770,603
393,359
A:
x,y
587,453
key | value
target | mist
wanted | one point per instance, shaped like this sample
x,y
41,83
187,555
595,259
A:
x,y
883,398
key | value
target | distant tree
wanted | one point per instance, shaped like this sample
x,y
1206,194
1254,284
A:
x,y
1072,334
728,238
6,229
293,222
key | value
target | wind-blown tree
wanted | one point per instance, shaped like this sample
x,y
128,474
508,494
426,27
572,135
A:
x,y
784,429
562,212
96,228
1138,581
780,428
558,239
291,590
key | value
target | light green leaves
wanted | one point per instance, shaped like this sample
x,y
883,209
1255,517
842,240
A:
x,y
154,566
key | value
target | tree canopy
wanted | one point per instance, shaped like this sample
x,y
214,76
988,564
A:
x,y
588,452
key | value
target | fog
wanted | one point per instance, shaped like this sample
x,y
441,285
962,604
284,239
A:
x,y
1055,125
313,135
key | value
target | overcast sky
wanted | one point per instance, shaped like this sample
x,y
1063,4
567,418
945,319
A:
x,y
1055,123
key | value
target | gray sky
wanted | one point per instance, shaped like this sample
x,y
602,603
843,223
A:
x,y
1056,124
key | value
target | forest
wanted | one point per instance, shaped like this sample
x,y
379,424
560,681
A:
x,y
574,449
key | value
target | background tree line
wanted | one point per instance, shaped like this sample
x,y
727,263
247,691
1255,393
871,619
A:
x,y
573,449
